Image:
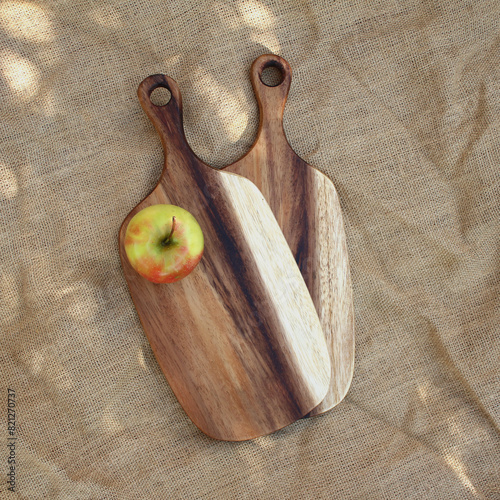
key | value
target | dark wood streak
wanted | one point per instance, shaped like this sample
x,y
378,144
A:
x,y
249,305
258,320
216,334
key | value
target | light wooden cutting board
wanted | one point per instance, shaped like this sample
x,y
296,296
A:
x,y
308,211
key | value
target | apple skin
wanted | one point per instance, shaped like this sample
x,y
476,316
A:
x,y
163,243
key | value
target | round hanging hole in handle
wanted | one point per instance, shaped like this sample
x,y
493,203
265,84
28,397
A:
x,y
160,96
272,74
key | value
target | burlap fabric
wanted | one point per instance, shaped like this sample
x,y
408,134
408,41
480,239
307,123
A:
x,y
398,102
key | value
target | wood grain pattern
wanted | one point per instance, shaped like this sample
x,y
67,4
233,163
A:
x,y
239,339
308,211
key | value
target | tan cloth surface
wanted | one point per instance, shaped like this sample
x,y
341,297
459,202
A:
x,y
398,102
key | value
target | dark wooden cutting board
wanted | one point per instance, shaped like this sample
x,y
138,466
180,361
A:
x,y
308,211
239,339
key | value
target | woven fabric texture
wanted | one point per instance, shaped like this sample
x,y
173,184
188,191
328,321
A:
x,y
397,102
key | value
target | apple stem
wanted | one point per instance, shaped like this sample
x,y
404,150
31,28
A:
x,y
167,239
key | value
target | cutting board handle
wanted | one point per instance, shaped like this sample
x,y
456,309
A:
x,y
271,100
167,118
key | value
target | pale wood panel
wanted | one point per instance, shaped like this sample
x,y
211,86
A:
x,y
332,293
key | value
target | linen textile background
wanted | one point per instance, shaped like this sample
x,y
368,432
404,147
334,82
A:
x,y
397,102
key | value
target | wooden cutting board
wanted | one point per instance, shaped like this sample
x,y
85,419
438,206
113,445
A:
x,y
238,340
308,211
